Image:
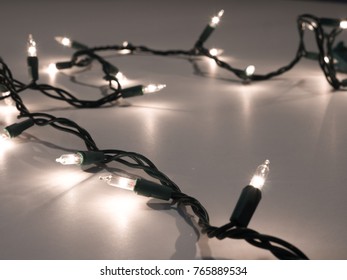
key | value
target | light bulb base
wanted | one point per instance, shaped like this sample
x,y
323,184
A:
x,y
91,157
332,22
132,91
312,55
206,33
33,67
63,65
16,129
109,68
246,206
150,189
78,46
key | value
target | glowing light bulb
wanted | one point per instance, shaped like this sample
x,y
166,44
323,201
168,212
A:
x,y
250,70
68,159
63,41
326,59
152,88
32,51
67,42
4,136
120,181
216,19
52,69
260,175
138,185
125,44
215,51
121,77
343,24
6,93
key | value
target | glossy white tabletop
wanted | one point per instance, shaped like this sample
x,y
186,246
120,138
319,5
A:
x,y
208,132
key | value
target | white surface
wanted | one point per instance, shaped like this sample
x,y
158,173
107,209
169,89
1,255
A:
x,y
207,133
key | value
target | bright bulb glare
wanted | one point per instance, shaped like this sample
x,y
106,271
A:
x,y
216,19
343,24
6,93
250,70
260,175
119,181
326,59
63,41
52,69
4,136
68,159
32,51
153,88
215,52
8,101
121,77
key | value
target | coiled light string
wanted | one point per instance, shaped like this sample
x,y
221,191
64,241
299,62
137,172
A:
x,y
164,188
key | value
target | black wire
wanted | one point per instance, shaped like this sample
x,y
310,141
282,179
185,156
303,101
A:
x,y
200,50
278,247
82,58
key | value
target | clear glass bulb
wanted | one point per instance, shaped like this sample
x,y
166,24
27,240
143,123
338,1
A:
x,y
119,180
216,19
4,135
68,159
215,51
250,70
63,41
260,175
343,24
32,51
152,88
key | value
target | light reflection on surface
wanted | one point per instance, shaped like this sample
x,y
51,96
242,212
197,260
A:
x,y
52,71
8,114
65,178
5,147
123,207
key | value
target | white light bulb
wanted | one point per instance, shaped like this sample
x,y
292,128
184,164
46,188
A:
x,y
120,181
343,24
63,41
153,88
32,51
326,59
260,175
4,136
68,159
215,51
216,19
250,70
